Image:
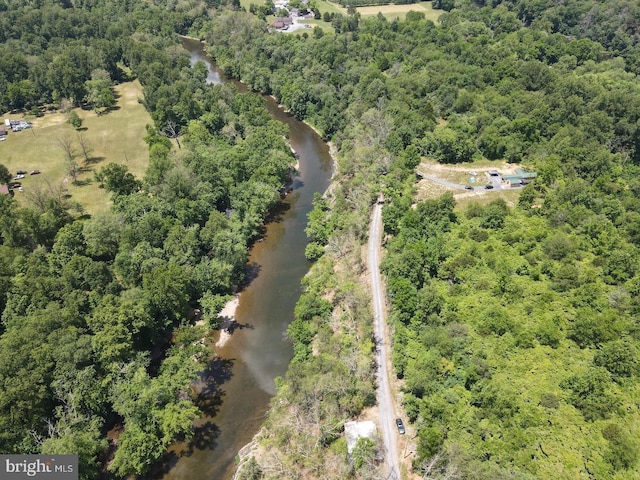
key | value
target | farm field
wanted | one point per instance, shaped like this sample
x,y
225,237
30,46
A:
x,y
115,136
400,11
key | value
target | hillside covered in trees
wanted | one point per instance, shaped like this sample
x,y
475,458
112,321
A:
x,y
97,328
515,328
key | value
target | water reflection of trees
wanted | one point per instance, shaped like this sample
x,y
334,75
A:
x,y
209,393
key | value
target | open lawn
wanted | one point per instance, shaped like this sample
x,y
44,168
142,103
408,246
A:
x,y
326,26
330,7
247,3
115,136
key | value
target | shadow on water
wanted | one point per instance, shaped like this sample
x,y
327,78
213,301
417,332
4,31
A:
x,y
252,272
278,212
204,437
209,399
209,387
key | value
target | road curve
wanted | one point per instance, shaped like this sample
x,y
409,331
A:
x,y
384,397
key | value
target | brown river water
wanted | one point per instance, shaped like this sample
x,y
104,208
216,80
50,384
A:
x,y
236,388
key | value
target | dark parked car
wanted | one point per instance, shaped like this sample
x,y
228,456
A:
x,y
488,187
400,426
21,172
468,187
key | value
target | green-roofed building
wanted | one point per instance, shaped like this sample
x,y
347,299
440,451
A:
x,y
519,178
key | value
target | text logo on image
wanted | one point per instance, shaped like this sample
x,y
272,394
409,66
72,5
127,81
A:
x,y
43,467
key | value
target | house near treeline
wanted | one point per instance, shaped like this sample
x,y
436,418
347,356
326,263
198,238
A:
x,y
282,23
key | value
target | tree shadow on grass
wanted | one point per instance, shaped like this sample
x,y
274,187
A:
x,y
83,183
109,109
94,160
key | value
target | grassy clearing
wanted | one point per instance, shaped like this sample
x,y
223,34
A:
x,y
325,6
460,174
326,26
391,12
464,199
116,136
426,189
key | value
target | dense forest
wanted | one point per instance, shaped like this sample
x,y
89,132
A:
x,y
515,328
98,313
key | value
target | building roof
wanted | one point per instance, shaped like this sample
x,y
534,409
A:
x,y
285,20
524,174
512,177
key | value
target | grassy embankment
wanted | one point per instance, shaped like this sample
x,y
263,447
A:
x,y
116,136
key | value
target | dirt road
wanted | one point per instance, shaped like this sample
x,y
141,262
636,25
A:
x,y
385,400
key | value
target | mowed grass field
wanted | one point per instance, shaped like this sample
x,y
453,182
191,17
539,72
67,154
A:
x,y
116,136
400,11
390,11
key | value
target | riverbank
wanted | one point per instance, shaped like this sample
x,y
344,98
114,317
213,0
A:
x,y
252,348
228,317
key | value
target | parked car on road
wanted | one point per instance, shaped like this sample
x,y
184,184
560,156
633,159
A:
x,y
400,426
488,186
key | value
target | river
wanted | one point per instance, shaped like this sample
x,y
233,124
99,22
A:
x,y
236,389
